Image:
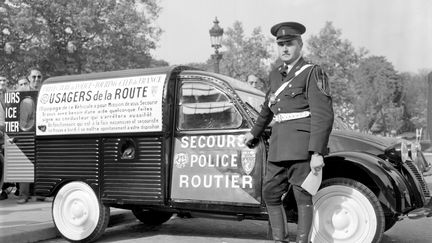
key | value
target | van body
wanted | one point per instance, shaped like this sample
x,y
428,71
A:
x,y
169,140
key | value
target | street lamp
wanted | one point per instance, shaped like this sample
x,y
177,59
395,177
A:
x,y
216,33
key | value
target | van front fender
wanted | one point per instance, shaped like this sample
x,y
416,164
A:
x,y
375,173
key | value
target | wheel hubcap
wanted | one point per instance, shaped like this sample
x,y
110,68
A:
x,y
79,213
342,215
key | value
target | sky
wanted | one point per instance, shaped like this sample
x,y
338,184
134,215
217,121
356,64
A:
x,y
400,30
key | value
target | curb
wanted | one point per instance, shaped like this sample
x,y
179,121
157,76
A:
x,y
47,230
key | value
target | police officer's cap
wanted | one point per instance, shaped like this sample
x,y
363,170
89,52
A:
x,y
286,31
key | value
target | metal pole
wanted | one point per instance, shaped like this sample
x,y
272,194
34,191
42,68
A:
x,y
217,57
429,107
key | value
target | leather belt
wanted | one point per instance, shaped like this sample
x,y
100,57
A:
x,y
291,116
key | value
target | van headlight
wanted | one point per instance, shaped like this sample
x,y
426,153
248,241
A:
x,y
404,151
414,151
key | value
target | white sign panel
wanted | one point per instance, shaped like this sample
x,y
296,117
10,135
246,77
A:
x,y
117,105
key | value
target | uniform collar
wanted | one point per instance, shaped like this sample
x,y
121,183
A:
x,y
291,65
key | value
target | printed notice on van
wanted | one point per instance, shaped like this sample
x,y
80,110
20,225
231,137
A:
x,y
117,105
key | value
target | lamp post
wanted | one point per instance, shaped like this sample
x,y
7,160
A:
x,y
216,33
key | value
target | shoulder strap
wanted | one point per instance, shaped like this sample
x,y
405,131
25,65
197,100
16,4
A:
x,y
283,86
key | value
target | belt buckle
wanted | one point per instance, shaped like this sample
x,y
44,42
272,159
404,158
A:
x,y
277,118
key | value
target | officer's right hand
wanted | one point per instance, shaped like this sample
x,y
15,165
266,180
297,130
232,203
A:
x,y
248,137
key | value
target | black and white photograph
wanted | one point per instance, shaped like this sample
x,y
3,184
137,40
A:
x,y
220,121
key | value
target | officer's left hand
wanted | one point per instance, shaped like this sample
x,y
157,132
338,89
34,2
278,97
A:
x,y
316,163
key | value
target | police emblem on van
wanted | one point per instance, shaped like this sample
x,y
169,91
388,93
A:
x,y
180,160
248,161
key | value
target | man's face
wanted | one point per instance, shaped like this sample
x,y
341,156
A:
x,y
290,50
23,85
35,78
3,82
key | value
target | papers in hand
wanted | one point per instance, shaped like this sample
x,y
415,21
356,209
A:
x,y
312,182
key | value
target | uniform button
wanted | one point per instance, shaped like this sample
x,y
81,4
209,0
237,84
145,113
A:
x,y
278,109
278,100
290,85
292,93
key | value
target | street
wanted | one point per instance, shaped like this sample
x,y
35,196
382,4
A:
x,y
225,231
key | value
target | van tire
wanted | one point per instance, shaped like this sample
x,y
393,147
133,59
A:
x,y
151,217
345,210
78,214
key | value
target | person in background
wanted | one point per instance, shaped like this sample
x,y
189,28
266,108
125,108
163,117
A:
x,y
32,82
3,84
299,101
35,78
3,89
252,80
23,84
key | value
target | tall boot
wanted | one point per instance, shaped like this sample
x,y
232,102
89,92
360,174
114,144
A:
x,y
305,214
278,223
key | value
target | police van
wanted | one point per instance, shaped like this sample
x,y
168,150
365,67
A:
x,y
166,141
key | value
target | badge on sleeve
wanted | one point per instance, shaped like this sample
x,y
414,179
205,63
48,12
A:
x,y
322,82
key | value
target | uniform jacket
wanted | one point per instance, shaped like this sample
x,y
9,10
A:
x,y
297,139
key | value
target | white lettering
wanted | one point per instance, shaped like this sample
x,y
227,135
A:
x,y
12,126
214,160
231,141
235,181
184,142
201,142
196,181
247,180
211,141
219,141
193,142
184,181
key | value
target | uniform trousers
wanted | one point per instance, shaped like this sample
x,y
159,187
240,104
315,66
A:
x,y
276,182
280,175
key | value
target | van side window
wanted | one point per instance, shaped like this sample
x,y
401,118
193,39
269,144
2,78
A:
x,y
27,114
204,106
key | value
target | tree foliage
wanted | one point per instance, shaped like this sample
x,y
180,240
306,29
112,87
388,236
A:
x,y
68,37
415,97
377,101
245,55
338,57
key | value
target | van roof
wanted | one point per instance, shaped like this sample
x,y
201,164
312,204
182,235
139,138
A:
x,y
116,74
236,84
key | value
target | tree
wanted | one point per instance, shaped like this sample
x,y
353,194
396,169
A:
x,y
415,96
378,92
338,58
245,55
68,37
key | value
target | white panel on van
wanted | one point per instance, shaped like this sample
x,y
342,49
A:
x,y
116,105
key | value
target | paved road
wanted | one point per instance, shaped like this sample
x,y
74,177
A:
x,y
224,231
199,230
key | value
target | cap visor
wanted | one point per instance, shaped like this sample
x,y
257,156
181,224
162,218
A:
x,y
286,38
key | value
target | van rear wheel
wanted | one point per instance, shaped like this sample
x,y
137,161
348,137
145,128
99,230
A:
x,y
347,211
78,214
151,217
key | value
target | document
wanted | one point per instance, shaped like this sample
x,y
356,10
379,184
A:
x,y
312,182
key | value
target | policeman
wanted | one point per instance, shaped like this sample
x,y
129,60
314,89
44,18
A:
x,y
299,102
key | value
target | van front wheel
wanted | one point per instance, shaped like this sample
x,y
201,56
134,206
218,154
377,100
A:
x,y
347,211
78,214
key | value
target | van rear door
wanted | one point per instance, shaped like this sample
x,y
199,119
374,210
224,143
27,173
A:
x,y
20,136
